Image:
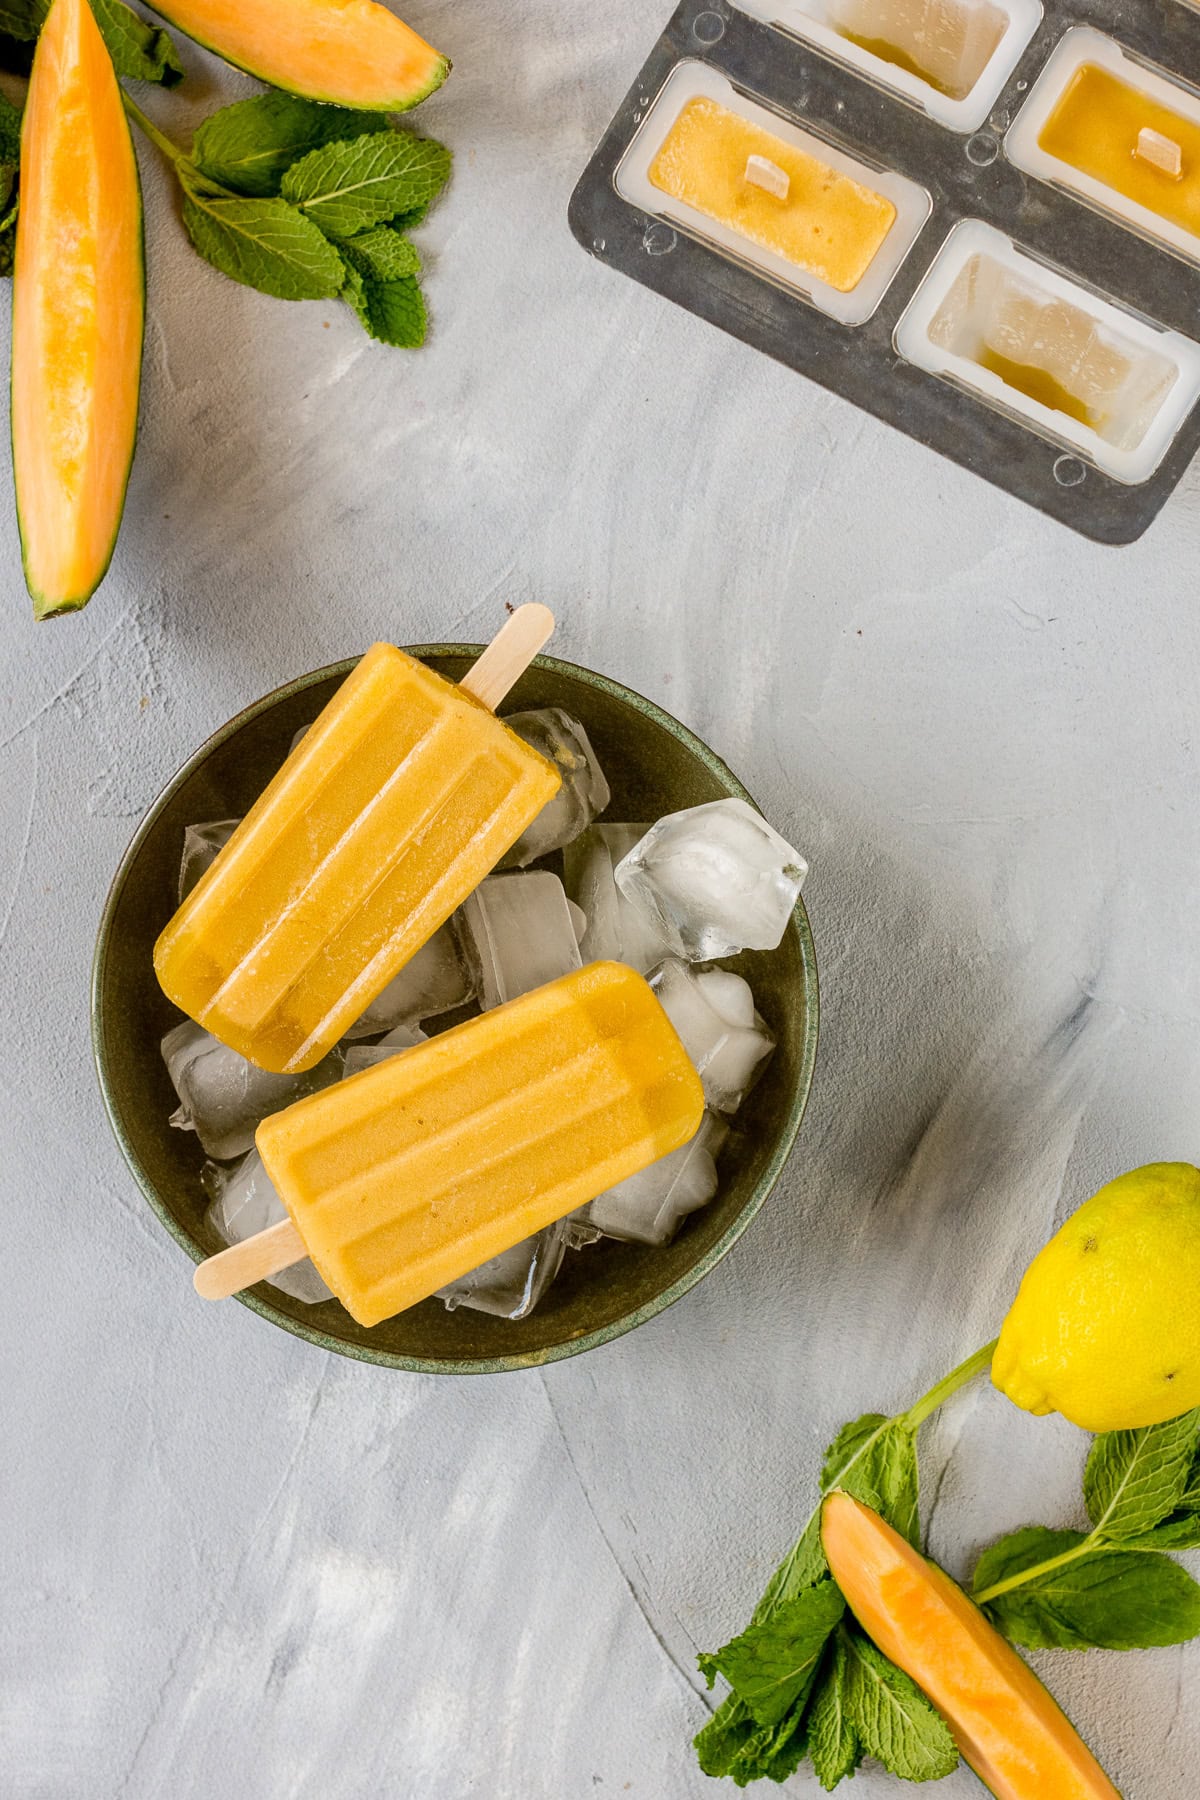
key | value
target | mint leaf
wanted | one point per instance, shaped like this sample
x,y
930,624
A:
x,y
1135,1479
803,1566
833,1744
772,1665
416,215
1180,1532
10,133
1098,1599
732,1745
250,145
720,1745
141,52
394,312
354,293
777,1751
23,18
382,254
891,1716
346,187
265,244
874,1459
1190,1498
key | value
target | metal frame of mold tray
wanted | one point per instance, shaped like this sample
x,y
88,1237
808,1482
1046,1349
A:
x,y
877,128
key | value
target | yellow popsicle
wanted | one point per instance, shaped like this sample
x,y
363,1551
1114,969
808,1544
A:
x,y
828,225
405,1177
1095,128
397,802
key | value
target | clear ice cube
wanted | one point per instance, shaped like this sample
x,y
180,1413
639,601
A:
x,y
517,932
434,981
201,845
649,1207
244,1202
511,1284
714,1013
716,879
618,930
584,792
365,1056
223,1097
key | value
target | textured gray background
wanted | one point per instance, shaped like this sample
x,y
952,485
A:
x,y
234,1566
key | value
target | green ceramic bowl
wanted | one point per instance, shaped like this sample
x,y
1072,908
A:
x,y
655,766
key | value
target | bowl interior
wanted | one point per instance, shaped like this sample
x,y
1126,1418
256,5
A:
x,y
654,766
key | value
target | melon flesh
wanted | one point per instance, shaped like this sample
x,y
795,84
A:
x,y
349,52
1016,1738
78,313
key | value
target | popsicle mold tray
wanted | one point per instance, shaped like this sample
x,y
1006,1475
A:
x,y
977,219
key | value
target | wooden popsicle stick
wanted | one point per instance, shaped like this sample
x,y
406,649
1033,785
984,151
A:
x,y
508,655
252,1260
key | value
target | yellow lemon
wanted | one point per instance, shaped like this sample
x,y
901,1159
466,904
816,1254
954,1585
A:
x,y
1105,1328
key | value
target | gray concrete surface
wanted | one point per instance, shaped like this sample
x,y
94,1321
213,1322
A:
x,y
234,1566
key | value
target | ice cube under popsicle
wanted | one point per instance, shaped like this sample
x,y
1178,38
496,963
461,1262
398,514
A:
x,y
402,1179
404,794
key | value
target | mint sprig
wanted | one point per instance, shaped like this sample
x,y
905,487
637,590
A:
x,y
305,202
1062,1590
1114,1587
805,1679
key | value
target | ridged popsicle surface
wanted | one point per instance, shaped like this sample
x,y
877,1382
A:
x,y
409,1175
390,810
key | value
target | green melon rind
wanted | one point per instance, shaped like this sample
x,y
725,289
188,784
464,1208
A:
x,y
401,103
59,607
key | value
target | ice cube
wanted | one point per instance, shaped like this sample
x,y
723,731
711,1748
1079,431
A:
x,y
517,932
618,930
713,1011
245,1202
224,1098
434,981
717,879
365,1056
649,1207
584,792
511,1284
201,844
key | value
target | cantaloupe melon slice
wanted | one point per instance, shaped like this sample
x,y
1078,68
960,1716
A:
x,y
1018,1741
78,313
351,52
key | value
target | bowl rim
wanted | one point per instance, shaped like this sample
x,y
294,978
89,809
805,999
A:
x,y
391,1359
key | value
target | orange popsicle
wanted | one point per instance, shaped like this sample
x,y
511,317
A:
x,y
391,809
1096,128
823,221
405,1177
